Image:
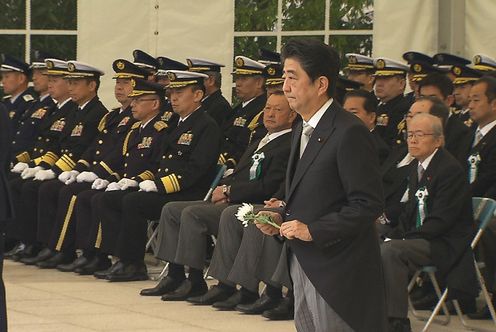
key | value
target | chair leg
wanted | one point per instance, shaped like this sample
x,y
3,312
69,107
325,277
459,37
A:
x,y
439,304
415,313
439,296
152,238
162,273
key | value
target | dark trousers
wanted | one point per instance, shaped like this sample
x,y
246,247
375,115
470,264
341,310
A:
x,y
63,231
3,305
48,203
14,229
88,232
27,214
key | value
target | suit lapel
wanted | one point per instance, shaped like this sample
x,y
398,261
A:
x,y
320,135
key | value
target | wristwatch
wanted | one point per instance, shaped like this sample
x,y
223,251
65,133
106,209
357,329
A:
x,y
226,190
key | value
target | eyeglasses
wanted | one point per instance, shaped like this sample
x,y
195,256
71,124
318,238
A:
x,y
417,134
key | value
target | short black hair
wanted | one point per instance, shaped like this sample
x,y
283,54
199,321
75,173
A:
x,y
316,58
438,108
370,101
94,79
440,81
490,82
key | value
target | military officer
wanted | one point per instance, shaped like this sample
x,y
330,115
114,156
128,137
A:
x,y
55,225
50,131
414,59
390,82
464,78
249,80
446,61
214,102
29,122
80,129
15,79
165,64
361,69
484,63
187,167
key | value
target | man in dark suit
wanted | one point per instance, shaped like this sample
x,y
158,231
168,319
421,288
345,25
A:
x,y
187,166
332,200
482,164
364,105
186,225
436,227
6,208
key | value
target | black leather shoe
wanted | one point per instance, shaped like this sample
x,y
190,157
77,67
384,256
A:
x,y
399,325
43,255
259,306
58,259
102,274
284,311
78,262
17,248
166,285
467,306
185,290
484,313
426,302
97,263
128,272
239,297
29,251
214,294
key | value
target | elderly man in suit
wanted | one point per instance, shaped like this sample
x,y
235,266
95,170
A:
x,y
437,225
184,226
333,196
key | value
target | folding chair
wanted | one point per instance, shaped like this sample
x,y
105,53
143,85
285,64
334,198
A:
x,y
484,213
152,235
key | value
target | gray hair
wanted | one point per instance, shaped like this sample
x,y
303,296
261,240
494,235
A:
x,y
217,78
436,123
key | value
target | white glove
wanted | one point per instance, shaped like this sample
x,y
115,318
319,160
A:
x,y
43,175
87,177
148,186
127,183
30,172
68,177
100,184
19,167
113,186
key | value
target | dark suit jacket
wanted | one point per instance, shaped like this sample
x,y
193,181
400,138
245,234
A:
x,y
217,107
448,225
486,174
456,134
6,207
382,148
273,169
335,188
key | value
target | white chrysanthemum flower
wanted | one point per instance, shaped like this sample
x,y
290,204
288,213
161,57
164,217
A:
x,y
243,211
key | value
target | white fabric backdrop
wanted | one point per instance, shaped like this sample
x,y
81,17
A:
x,y
404,25
480,35
112,29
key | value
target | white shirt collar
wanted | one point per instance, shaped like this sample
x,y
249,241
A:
x,y
484,130
243,104
405,161
84,105
314,120
143,125
14,98
60,105
427,160
44,97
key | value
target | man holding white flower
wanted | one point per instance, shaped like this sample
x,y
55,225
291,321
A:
x,y
437,225
333,197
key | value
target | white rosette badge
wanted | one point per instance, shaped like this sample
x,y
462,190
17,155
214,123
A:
x,y
422,194
473,163
246,215
256,167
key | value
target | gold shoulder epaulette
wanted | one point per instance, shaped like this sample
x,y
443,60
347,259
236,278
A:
x,y
103,122
136,125
160,125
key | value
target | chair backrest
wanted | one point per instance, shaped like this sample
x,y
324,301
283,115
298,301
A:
x,y
221,169
484,212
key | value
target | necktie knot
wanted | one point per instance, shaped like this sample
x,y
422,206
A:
x,y
307,130
478,137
